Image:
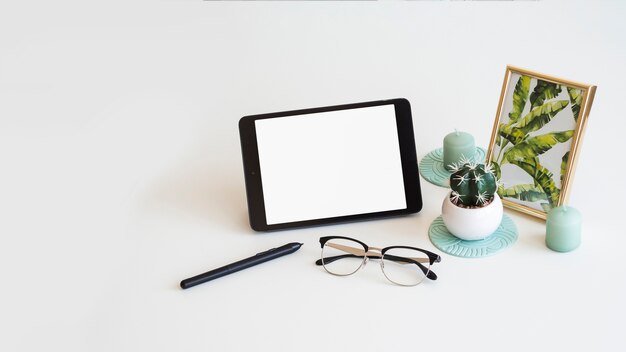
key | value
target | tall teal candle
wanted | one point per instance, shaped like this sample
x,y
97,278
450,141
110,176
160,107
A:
x,y
456,145
563,229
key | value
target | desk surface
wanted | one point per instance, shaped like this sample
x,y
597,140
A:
x,y
121,175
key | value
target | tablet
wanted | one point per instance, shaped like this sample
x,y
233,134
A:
x,y
330,164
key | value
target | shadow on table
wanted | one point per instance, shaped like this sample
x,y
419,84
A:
x,y
531,229
209,190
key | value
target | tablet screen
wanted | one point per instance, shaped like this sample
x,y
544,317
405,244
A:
x,y
330,164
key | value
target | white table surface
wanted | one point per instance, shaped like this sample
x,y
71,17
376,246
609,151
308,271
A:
x,y
120,175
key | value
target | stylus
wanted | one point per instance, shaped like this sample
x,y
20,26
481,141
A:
x,y
240,265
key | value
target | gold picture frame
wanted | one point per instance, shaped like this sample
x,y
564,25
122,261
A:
x,y
531,135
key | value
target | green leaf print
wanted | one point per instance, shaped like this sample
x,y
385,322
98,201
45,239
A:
x,y
529,193
542,176
564,166
520,95
534,146
540,116
543,91
576,98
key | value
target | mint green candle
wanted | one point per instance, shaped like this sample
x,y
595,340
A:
x,y
456,145
563,229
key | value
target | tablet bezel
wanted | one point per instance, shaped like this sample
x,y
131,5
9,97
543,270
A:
x,y
253,177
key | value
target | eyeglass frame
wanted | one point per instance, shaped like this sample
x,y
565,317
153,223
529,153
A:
x,y
432,258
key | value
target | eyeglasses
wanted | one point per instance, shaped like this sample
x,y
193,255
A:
x,y
402,265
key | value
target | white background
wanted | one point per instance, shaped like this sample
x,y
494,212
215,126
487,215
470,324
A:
x,y
330,164
121,175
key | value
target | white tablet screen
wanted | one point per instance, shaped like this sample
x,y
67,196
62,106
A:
x,y
330,164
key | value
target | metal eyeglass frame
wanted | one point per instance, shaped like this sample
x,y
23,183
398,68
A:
x,y
377,253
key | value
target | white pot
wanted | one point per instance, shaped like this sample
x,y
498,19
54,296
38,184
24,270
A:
x,y
472,224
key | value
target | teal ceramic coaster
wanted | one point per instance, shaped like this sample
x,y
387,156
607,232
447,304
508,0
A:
x,y
432,170
503,238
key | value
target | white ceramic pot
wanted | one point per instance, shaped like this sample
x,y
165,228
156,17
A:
x,y
472,224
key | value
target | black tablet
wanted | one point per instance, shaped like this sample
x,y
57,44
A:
x,y
330,164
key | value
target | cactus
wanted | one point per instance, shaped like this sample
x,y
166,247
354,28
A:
x,y
473,185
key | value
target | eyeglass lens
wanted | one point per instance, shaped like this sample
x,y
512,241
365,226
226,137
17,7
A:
x,y
342,257
400,267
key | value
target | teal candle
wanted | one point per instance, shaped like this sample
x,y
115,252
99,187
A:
x,y
457,145
563,229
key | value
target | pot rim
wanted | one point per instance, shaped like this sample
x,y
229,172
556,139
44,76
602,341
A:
x,y
495,195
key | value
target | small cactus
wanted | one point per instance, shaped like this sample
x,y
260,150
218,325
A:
x,y
473,185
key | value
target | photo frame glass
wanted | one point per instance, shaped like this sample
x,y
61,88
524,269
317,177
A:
x,y
535,139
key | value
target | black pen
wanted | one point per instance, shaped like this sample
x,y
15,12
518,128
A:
x,y
240,265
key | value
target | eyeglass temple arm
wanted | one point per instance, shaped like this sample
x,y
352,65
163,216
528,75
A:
x,y
347,249
359,253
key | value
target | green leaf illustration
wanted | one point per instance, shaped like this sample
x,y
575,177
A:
x,y
543,91
564,166
576,98
520,95
540,116
546,207
534,146
513,135
528,193
496,170
542,176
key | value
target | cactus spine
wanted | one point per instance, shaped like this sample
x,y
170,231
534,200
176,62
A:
x,y
473,185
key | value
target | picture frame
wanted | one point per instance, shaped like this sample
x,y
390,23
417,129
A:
x,y
536,139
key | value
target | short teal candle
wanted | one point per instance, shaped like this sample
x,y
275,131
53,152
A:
x,y
563,229
457,145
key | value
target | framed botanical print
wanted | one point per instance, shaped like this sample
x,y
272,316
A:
x,y
536,138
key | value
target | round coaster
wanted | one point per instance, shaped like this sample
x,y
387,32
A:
x,y
432,170
503,238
